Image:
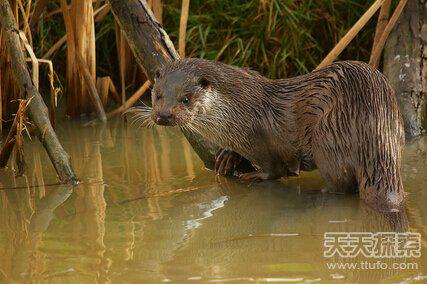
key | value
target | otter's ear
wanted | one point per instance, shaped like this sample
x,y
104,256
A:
x,y
204,83
157,74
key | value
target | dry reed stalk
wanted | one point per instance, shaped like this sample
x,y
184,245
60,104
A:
x,y
106,85
350,35
55,47
132,100
125,59
157,9
101,12
79,21
103,85
71,68
27,30
63,40
183,27
90,84
381,23
10,141
84,28
1,100
53,92
19,144
29,3
376,54
39,8
123,48
34,61
54,12
113,90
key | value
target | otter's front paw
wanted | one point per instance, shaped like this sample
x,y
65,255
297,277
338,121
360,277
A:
x,y
226,161
257,176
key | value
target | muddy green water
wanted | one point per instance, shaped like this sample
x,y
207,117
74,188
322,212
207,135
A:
x,y
147,212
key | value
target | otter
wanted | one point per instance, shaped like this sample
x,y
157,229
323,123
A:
x,y
342,119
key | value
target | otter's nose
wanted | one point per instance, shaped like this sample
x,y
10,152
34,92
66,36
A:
x,y
165,115
165,118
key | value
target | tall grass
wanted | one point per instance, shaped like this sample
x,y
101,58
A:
x,y
279,38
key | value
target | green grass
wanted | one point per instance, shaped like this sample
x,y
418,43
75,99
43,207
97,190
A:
x,y
278,38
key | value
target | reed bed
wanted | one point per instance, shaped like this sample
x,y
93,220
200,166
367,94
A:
x,y
81,61
278,38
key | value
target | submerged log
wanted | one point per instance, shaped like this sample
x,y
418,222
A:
x,y
37,109
405,65
153,49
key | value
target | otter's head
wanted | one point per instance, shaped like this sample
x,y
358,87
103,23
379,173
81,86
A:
x,y
182,90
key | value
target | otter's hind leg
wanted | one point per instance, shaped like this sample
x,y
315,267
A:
x,y
338,175
332,154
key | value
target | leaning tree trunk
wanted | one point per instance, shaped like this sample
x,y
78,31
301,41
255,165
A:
x,y
153,49
405,65
37,109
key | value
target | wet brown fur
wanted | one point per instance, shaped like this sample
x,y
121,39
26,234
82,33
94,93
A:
x,y
342,119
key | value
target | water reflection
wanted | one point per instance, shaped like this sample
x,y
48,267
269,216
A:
x,y
148,210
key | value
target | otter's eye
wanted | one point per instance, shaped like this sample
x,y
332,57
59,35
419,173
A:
x,y
185,100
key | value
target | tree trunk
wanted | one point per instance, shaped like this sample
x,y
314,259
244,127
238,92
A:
x,y
405,65
37,109
153,49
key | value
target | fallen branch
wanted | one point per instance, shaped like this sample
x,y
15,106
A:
x,y
376,54
350,35
37,109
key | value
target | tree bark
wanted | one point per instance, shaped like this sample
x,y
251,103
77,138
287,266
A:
x,y
405,65
37,109
153,49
